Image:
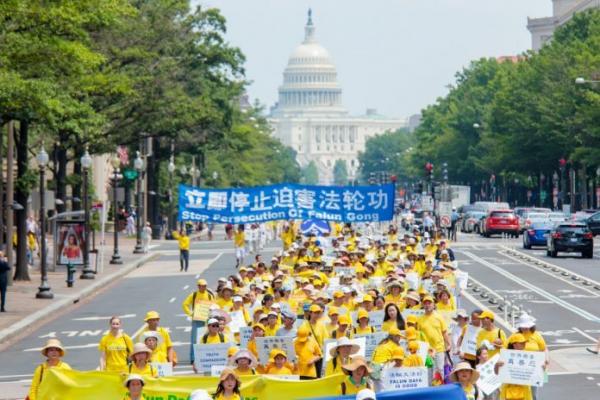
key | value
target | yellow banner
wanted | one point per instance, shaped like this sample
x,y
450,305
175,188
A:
x,y
95,385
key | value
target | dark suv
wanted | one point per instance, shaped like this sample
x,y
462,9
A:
x,y
593,222
571,237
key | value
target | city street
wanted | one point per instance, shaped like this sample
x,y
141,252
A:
x,y
565,308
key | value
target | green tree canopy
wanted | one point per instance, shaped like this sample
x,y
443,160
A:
x,y
340,172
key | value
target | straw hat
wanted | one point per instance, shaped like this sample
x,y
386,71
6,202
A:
x,y
357,362
344,341
133,377
413,296
140,348
245,354
226,373
53,344
464,366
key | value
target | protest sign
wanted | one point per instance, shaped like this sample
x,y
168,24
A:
x,y
163,369
216,370
488,381
237,321
375,318
469,342
245,335
371,342
201,310
404,378
264,345
207,355
413,280
522,367
417,313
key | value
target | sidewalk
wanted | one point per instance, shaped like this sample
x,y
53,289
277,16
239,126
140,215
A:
x,y
25,312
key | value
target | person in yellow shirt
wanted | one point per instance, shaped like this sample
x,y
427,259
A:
x,y
115,348
397,359
308,353
278,364
340,355
165,347
54,352
135,386
343,328
509,391
333,313
413,359
225,298
245,363
392,318
357,378
213,334
394,293
445,301
384,351
184,249
466,376
526,326
494,338
272,325
362,319
435,329
152,340
258,330
192,304
229,386
140,361
314,324
239,242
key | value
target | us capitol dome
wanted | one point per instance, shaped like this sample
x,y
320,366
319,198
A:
x,y
309,115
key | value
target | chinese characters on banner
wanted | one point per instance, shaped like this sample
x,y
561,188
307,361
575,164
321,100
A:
x,y
405,378
522,367
264,345
287,201
488,381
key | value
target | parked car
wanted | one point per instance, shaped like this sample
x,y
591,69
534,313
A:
x,y
490,205
557,216
593,222
529,217
536,234
571,237
470,220
501,221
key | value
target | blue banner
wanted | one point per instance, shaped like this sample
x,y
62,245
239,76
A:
x,y
443,392
287,201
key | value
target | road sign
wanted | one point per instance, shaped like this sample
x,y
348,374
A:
x,y
427,203
445,209
445,221
130,174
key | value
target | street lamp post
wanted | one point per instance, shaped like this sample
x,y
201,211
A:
x,y
116,257
171,169
138,164
44,291
86,164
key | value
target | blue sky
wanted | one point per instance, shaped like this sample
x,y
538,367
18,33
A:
x,y
397,56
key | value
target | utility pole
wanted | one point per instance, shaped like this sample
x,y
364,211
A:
x,y
10,195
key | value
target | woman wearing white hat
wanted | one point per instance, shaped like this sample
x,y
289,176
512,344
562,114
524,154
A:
x,y
53,351
152,341
340,355
140,361
535,341
135,386
467,376
244,362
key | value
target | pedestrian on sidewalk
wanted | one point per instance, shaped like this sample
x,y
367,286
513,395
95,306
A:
x,y
130,227
4,271
184,248
53,351
146,237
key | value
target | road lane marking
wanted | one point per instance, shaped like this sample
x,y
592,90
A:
x,y
558,301
560,278
172,299
582,333
74,347
479,304
186,287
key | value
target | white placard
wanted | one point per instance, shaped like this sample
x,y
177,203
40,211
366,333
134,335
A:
x,y
522,367
207,355
264,345
462,278
283,377
428,286
163,369
237,321
216,370
404,378
375,318
488,381
469,342
412,278
245,335
408,311
372,341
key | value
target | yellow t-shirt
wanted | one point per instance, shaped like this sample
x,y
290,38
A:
x,y
348,386
331,369
117,350
210,339
239,239
490,336
184,241
273,370
433,326
160,352
188,306
305,352
384,352
147,370
535,342
38,375
225,304
389,324
235,396
249,371
515,392
318,331
413,360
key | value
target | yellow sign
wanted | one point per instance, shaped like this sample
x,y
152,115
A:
x,y
96,385
201,310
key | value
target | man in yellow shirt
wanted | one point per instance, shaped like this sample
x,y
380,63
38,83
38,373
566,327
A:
x,y
239,242
165,346
494,338
435,329
191,305
308,353
184,249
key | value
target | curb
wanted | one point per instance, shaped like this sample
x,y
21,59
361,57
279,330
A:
x,y
66,301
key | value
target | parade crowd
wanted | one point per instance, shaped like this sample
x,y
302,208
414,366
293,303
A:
x,y
362,301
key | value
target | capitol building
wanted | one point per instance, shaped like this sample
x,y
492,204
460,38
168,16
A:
x,y
310,118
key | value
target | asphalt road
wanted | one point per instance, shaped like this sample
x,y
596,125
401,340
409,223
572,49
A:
x,y
565,308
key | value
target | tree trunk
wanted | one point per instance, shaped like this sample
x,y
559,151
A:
x,y
61,176
76,187
21,196
153,192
